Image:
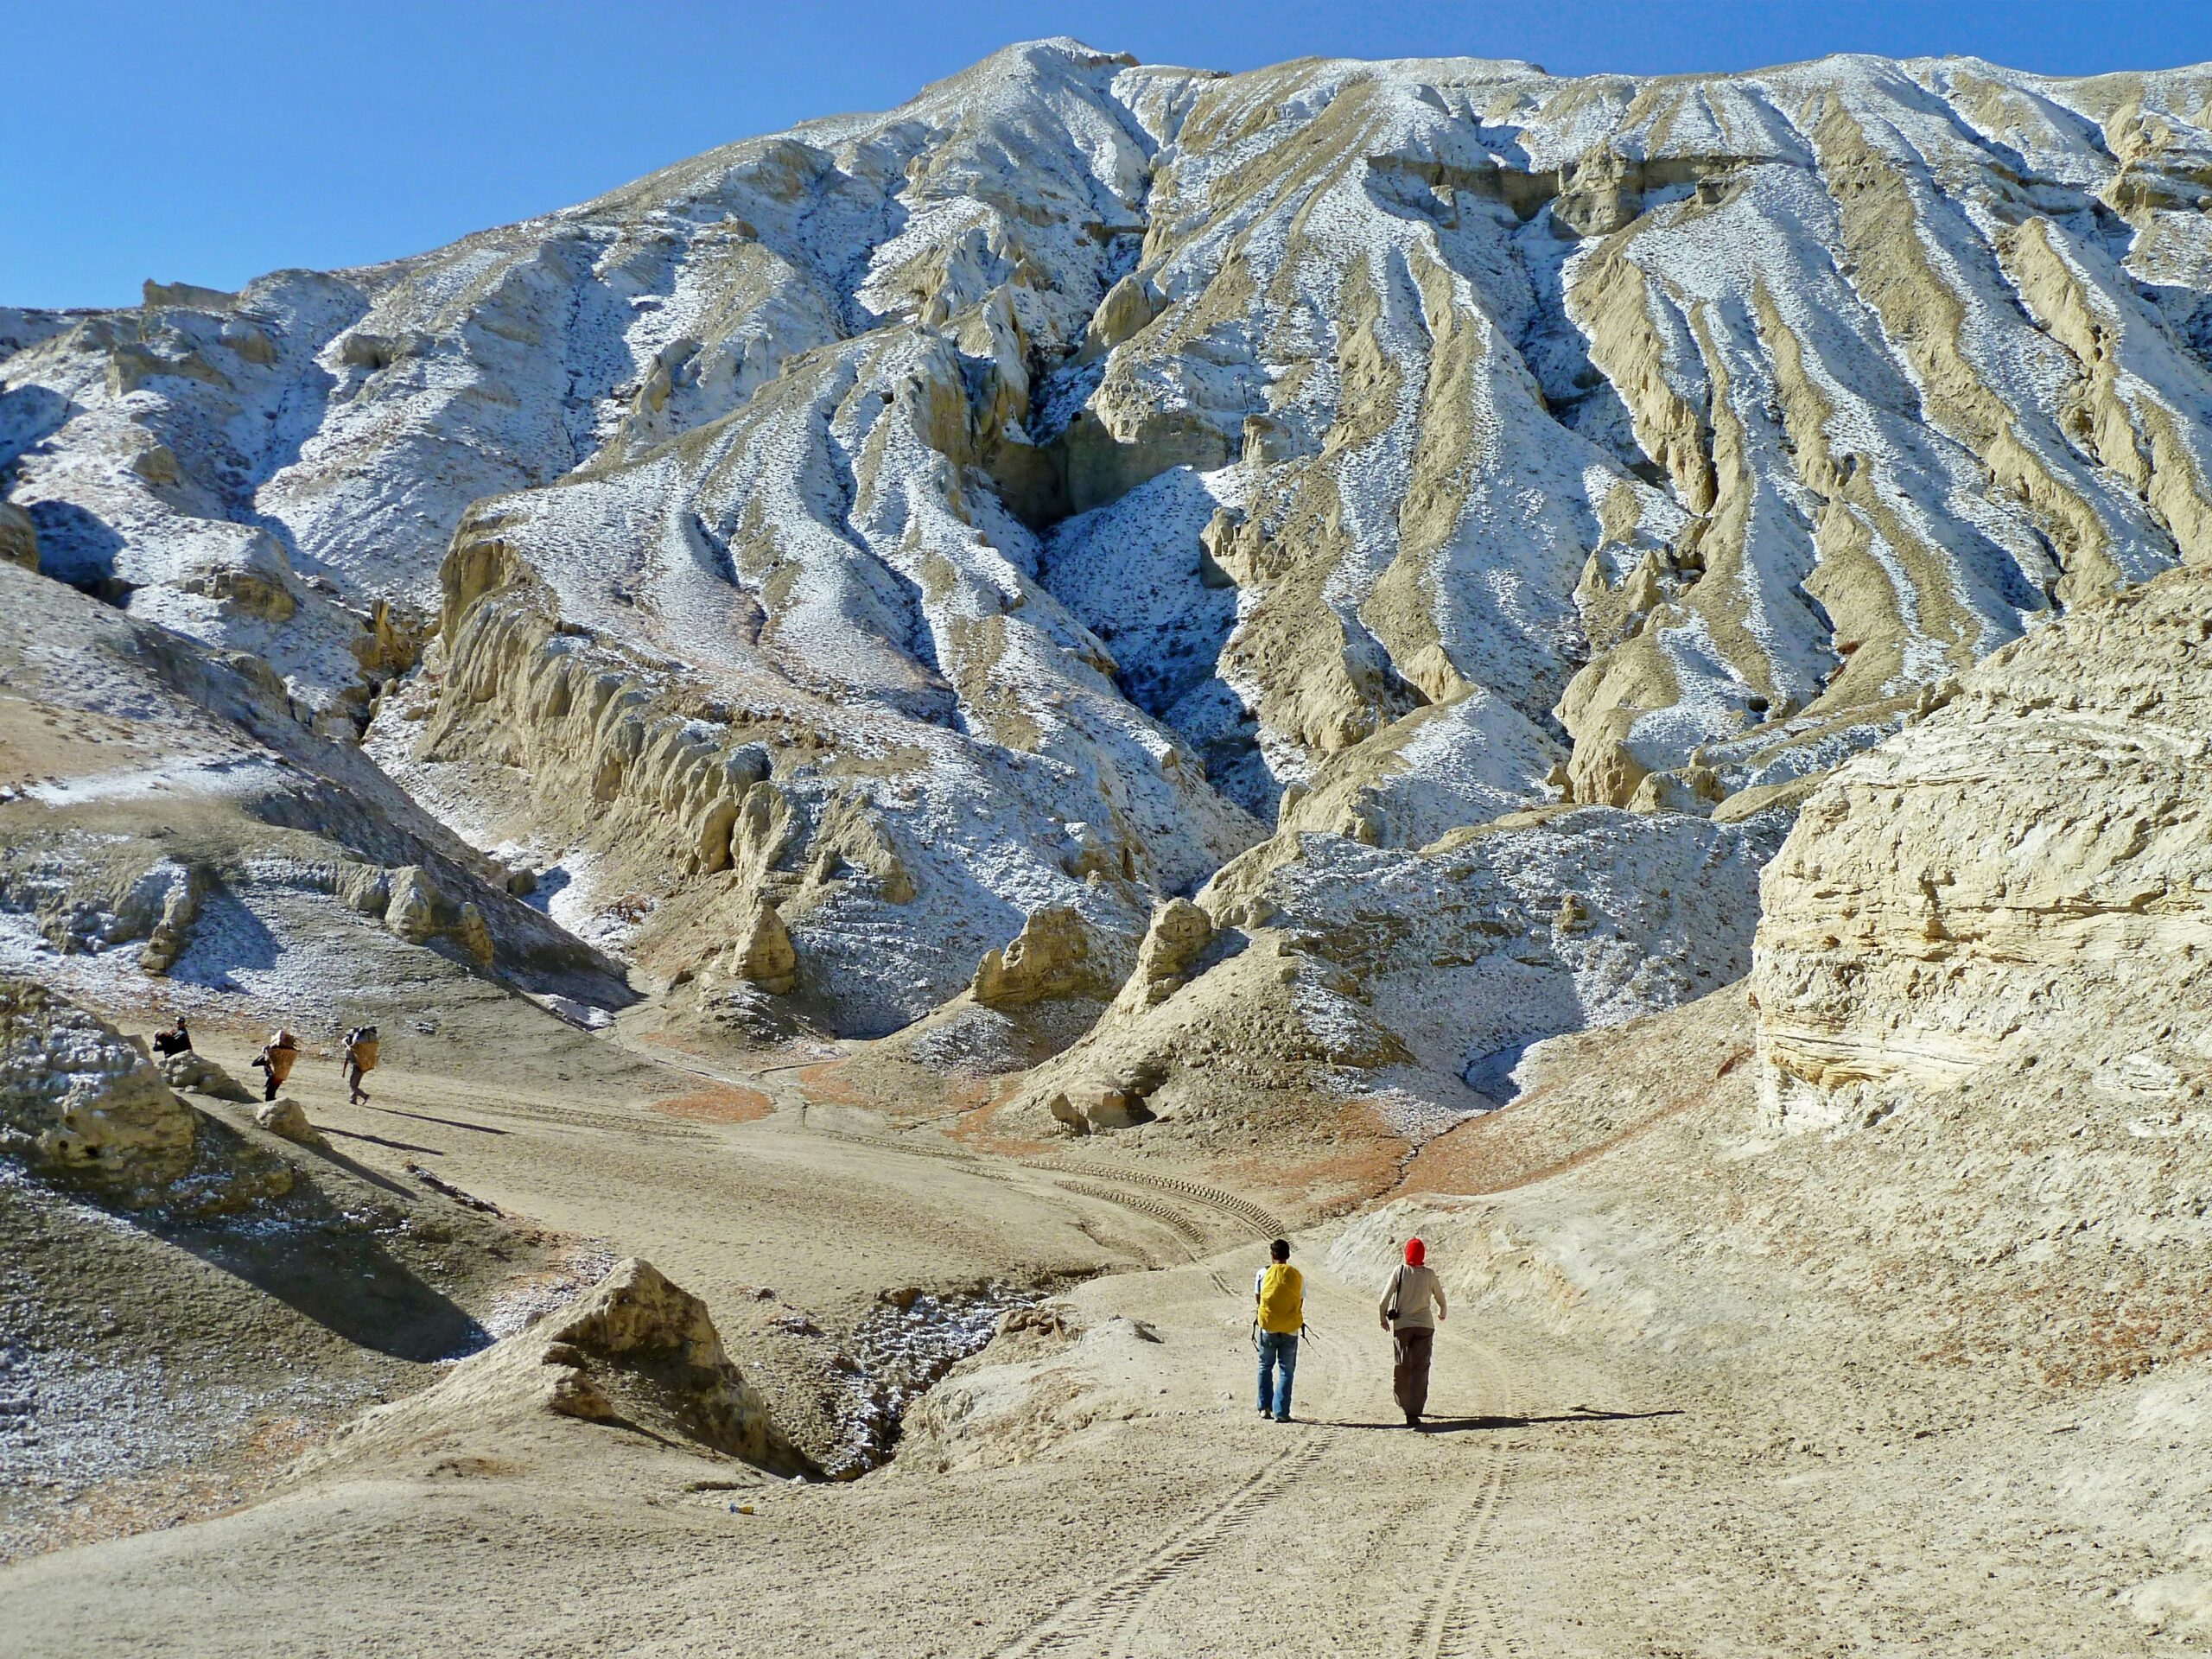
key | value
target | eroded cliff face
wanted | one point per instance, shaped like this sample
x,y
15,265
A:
x,y
1409,982
172,834
2017,891
843,550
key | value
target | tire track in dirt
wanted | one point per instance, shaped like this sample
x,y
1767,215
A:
x,y
789,1096
1266,1223
1175,1221
1458,1618
1102,1621
641,1127
1461,1616
1107,1622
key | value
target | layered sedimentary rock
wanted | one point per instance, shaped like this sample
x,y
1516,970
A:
x,y
2017,891
1016,503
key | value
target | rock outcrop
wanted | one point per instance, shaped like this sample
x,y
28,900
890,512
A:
x,y
633,1352
762,955
1409,981
82,1105
169,937
175,831
2016,889
196,1072
81,1102
1055,957
417,911
1179,933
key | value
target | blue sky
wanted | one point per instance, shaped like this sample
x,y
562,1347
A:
x,y
209,141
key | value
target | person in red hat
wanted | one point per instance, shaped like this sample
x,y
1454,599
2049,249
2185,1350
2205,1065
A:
x,y
1411,1303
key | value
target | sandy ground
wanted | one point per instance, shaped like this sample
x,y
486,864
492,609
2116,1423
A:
x,y
1109,1488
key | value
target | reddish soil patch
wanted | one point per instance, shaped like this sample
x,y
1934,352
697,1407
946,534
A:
x,y
974,1126
1361,1163
724,1103
820,1084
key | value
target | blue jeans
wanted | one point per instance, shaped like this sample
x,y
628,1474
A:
x,y
1278,1349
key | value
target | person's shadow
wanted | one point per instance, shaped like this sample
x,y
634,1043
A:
x,y
1466,1425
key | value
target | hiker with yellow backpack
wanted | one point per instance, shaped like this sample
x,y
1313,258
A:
x,y
1278,1317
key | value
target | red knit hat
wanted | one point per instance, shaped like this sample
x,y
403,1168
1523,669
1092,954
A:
x,y
1416,1252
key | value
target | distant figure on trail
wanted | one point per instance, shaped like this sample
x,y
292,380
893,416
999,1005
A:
x,y
175,1040
276,1060
359,1058
1278,1317
1406,1299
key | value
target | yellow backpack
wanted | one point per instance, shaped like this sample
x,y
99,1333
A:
x,y
1282,1300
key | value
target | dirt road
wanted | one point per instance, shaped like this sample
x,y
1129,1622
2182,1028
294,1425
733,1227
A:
x,y
1105,1490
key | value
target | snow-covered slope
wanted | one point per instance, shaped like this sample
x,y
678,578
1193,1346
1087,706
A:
x,y
849,543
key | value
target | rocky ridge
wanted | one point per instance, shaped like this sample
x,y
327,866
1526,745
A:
x,y
860,556
172,832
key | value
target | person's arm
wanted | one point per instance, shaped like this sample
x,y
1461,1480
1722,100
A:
x,y
1390,1290
1436,1279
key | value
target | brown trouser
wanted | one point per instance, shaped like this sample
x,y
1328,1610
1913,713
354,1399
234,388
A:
x,y
1409,1376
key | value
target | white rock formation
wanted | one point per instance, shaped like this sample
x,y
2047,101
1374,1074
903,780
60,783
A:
x,y
1011,502
1345,972
172,835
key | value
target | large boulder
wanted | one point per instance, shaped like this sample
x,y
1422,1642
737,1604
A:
x,y
634,1352
287,1118
201,1076
79,1100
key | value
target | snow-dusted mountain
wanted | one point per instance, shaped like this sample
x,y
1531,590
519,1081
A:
x,y
849,552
